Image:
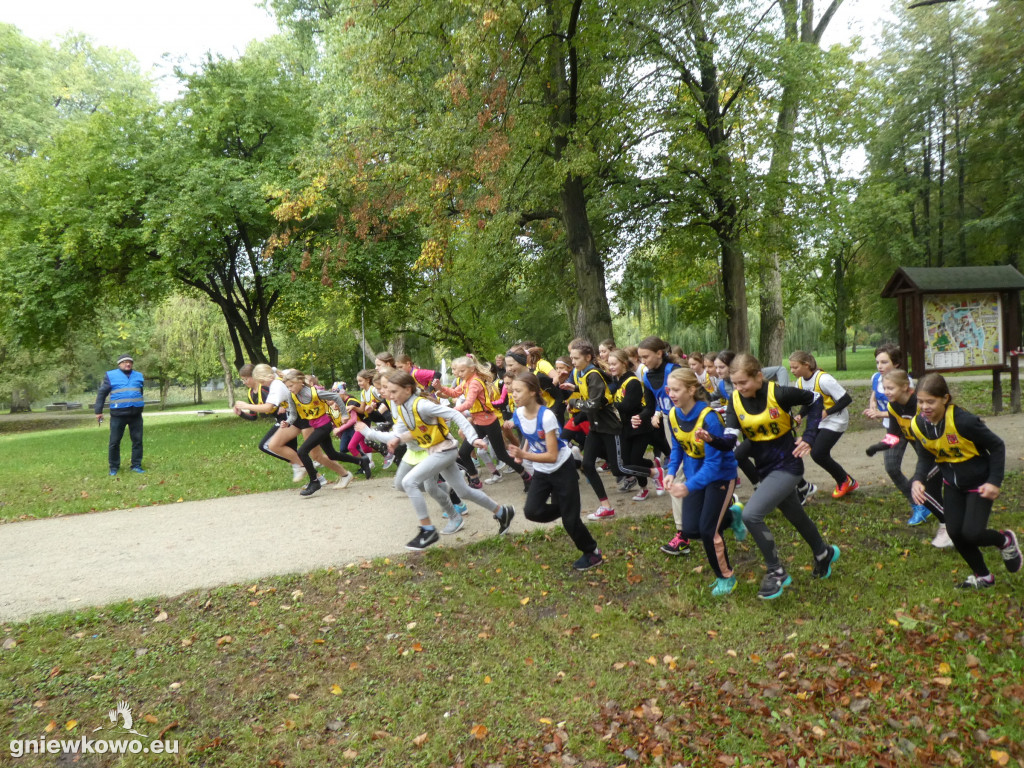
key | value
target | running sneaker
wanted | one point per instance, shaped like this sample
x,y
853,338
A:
x,y
739,530
423,539
977,582
659,478
589,561
602,467
918,514
311,487
642,495
602,513
388,460
628,484
504,517
773,583
474,482
138,470
298,473
942,540
1011,552
343,482
576,455
113,473
494,478
678,546
506,469
724,587
366,465
804,493
461,508
455,523
849,485
823,565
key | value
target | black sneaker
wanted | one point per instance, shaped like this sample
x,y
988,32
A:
x,y
773,583
823,565
527,479
364,464
589,561
474,482
1011,552
311,487
504,517
977,582
805,493
678,546
423,539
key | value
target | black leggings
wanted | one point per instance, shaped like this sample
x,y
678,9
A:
x,y
632,460
967,516
606,446
746,464
705,515
492,432
319,436
555,495
821,452
293,444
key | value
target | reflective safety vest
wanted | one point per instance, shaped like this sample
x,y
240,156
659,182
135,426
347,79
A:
x,y
950,447
688,440
905,422
620,393
488,395
581,379
316,408
773,422
816,386
425,435
126,389
536,441
257,396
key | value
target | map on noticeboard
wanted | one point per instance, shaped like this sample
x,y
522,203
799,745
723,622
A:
x,y
962,330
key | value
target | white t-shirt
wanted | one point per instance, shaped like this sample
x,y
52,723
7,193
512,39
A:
x,y
837,422
278,393
549,424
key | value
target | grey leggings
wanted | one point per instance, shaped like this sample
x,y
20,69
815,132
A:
x,y
778,490
893,461
414,479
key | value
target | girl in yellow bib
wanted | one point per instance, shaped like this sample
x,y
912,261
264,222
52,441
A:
x,y
761,412
423,424
323,410
834,420
972,460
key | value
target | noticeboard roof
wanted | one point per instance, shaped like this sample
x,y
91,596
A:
x,y
952,280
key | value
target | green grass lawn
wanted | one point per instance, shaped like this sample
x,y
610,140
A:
x,y
187,457
499,654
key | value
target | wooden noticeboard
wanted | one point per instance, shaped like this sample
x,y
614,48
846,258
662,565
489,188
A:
x,y
961,319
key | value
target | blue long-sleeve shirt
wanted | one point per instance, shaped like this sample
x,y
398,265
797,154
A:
x,y
717,464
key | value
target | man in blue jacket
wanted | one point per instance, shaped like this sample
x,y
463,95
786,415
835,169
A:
x,y
124,385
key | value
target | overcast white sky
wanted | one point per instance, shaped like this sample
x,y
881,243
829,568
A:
x,y
189,28
148,28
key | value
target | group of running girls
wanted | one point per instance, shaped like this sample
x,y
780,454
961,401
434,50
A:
x,y
600,410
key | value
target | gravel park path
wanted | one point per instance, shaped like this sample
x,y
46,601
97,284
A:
x,y
67,563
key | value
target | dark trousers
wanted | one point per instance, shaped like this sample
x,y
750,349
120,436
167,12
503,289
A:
x,y
555,495
320,436
821,453
492,434
117,425
967,525
293,443
600,445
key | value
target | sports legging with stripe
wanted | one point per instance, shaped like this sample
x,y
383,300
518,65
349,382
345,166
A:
x,y
705,515
778,490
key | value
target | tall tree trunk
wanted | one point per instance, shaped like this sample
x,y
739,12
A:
x,y
165,387
842,308
229,375
20,400
940,248
735,290
594,317
926,191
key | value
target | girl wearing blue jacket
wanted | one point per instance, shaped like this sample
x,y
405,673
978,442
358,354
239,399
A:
x,y
710,474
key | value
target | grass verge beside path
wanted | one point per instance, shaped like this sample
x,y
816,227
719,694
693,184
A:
x,y
499,654
187,457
